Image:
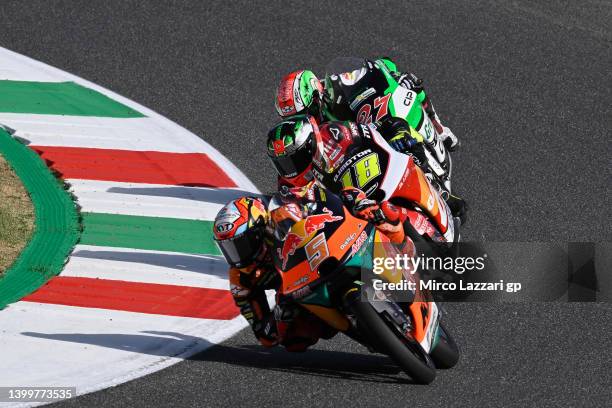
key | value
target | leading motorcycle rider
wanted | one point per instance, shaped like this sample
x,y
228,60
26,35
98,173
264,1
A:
x,y
243,230
301,92
292,144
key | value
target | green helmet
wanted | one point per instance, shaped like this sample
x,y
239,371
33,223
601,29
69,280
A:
x,y
299,92
291,145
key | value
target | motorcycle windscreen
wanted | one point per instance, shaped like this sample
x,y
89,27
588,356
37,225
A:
x,y
341,65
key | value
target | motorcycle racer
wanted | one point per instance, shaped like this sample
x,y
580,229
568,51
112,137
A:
x,y
240,232
291,145
293,142
301,92
243,231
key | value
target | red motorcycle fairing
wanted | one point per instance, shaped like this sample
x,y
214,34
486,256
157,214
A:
x,y
415,187
360,157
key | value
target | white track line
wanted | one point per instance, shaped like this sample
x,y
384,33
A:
x,y
152,200
169,268
117,346
54,345
93,132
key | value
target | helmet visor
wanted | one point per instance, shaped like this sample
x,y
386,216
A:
x,y
291,165
240,251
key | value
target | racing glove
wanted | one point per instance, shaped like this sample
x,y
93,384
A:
x,y
393,226
361,206
402,142
397,133
369,210
418,154
402,138
410,81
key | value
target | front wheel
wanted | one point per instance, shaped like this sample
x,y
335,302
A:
x,y
409,356
446,353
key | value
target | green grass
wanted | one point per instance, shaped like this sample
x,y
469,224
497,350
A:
x,y
16,216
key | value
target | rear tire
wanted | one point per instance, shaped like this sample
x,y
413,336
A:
x,y
420,368
446,353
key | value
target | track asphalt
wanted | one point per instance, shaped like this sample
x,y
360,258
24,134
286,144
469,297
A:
x,y
526,85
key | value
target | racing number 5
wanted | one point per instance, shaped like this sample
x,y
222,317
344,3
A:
x,y
381,104
316,251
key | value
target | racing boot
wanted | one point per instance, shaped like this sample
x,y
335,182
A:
x,y
458,207
449,139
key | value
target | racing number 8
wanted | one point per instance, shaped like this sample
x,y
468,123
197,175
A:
x,y
366,170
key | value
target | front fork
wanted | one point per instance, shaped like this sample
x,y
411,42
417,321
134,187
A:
x,y
396,313
417,320
438,158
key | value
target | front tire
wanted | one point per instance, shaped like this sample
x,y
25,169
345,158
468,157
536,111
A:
x,y
446,353
420,368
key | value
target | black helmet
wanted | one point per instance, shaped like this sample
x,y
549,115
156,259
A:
x,y
291,145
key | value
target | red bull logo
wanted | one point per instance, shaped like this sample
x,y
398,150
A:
x,y
312,224
316,222
290,244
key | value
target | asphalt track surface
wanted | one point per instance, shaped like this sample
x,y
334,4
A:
x,y
525,84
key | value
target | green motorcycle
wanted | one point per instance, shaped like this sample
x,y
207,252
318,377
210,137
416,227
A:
x,y
369,91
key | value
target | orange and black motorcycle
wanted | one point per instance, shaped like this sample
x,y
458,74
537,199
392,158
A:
x,y
325,257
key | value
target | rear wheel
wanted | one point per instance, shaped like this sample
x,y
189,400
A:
x,y
410,356
446,352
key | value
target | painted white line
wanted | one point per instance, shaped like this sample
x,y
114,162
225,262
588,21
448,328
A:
x,y
23,70
133,265
30,68
116,346
152,200
102,133
46,345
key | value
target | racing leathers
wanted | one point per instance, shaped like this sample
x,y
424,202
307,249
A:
x,y
338,139
295,328
248,286
338,88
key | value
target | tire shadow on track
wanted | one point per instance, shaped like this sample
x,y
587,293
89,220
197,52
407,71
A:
x,y
313,362
370,368
210,195
155,343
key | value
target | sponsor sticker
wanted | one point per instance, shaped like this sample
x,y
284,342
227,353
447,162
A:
x,y
362,97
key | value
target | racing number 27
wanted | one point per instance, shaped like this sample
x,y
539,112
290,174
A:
x,y
365,169
381,104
